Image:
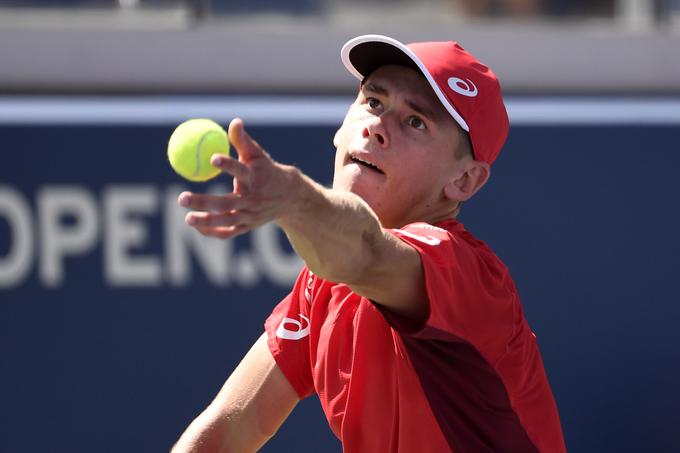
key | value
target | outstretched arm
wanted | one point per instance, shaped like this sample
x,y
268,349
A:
x,y
248,410
335,232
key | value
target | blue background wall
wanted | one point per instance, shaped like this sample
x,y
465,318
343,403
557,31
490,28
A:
x,y
585,217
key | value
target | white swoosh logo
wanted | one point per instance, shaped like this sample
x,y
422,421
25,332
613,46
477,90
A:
x,y
297,334
429,240
465,87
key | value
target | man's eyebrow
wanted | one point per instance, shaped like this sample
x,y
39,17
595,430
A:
x,y
422,110
377,89
419,108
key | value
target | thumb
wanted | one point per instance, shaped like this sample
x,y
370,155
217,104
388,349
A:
x,y
247,148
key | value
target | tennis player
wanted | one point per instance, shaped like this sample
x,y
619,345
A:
x,y
408,329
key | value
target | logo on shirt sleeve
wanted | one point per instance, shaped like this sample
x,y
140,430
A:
x,y
429,240
292,329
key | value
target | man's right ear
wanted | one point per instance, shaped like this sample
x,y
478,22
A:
x,y
335,137
468,183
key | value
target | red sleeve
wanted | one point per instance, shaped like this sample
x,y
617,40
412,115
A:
x,y
288,335
470,293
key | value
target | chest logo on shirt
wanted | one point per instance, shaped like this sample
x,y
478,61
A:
x,y
308,288
292,329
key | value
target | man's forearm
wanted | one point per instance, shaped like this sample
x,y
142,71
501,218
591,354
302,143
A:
x,y
335,232
211,432
249,409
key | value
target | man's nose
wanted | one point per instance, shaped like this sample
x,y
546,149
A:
x,y
375,130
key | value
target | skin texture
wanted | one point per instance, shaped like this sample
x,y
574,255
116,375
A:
x,y
397,125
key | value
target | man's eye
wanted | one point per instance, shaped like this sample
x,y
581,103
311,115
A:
x,y
416,123
373,103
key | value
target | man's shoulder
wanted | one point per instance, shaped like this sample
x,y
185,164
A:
x,y
449,230
461,243
425,233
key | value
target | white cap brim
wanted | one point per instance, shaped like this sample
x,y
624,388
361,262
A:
x,y
345,55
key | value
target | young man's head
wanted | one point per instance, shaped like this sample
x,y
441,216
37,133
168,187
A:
x,y
404,146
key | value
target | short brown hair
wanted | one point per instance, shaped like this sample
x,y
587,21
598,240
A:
x,y
464,148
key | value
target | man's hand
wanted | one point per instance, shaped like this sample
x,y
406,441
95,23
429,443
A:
x,y
263,191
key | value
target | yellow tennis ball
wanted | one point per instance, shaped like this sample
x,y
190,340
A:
x,y
192,145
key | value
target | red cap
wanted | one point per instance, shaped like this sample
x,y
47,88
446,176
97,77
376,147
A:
x,y
468,89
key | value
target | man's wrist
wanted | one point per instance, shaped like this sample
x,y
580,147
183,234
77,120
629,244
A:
x,y
297,196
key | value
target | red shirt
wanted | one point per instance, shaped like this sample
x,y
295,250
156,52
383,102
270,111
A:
x,y
471,379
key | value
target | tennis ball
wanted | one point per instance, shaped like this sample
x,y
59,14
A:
x,y
192,145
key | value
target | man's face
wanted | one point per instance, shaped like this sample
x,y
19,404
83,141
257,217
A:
x,y
395,148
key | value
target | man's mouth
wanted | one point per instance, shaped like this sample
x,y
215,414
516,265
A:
x,y
363,163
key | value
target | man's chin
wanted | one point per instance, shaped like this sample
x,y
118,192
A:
x,y
351,185
352,178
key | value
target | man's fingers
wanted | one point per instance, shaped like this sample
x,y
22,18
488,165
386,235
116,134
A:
x,y
223,232
230,165
248,149
208,202
228,215
219,219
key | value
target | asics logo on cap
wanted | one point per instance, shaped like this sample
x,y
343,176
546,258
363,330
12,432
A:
x,y
464,87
